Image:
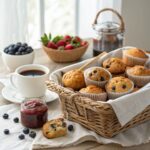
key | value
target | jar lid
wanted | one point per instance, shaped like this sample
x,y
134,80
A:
x,y
107,27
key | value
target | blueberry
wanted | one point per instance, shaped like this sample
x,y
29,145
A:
x,y
11,53
70,127
32,134
16,120
25,44
17,53
30,48
21,137
18,44
21,49
26,131
5,116
6,50
6,131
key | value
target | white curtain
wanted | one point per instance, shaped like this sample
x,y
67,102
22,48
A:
x,y
13,24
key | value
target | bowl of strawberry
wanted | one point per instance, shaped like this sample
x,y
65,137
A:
x,y
64,48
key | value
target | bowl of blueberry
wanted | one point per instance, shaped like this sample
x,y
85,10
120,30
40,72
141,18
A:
x,y
16,55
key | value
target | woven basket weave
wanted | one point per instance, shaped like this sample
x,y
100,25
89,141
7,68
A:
x,y
96,116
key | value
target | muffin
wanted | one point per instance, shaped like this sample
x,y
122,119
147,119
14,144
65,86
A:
x,y
134,56
73,79
114,65
119,86
139,75
96,76
94,92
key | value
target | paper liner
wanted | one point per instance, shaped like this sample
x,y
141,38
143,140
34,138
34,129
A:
x,y
132,61
96,97
138,80
92,82
113,95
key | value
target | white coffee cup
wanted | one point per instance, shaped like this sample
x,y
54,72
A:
x,y
28,85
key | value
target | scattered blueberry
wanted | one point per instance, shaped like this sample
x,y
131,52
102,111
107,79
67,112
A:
x,y
16,120
70,127
6,131
32,134
21,137
5,116
26,130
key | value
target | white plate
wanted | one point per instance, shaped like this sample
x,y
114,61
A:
x,y
10,94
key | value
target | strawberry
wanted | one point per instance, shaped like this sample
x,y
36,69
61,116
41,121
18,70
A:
x,y
67,38
52,45
61,43
83,43
68,47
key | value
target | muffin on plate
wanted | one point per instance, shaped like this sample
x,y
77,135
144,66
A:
x,y
119,86
139,75
96,76
134,56
94,92
73,79
114,65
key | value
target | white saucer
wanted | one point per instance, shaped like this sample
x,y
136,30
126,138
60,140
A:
x,y
10,94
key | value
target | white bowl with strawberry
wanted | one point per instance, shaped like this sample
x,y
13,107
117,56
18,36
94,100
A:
x,y
64,48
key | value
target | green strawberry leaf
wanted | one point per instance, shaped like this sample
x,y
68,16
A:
x,y
57,38
50,36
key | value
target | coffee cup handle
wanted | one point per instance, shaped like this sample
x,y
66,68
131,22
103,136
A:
x,y
12,81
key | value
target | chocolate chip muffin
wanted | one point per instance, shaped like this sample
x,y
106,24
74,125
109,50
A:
x,y
119,86
96,76
114,65
139,75
134,56
94,92
73,79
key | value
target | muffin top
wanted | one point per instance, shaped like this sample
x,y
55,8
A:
x,y
92,89
119,85
139,71
135,52
74,79
98,74
114,65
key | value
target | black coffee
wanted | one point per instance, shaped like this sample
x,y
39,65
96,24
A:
x,y
32,73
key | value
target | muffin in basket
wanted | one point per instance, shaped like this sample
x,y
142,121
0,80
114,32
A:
x,y
114,65
94,92
119,86
134,56
139,75
96,76
73,79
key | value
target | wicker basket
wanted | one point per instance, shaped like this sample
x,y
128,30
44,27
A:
x,y
96,116
65,55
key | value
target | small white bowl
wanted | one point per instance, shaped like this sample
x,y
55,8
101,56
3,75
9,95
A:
x,y
14,61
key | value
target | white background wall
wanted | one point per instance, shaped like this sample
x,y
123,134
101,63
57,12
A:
x,y
136,15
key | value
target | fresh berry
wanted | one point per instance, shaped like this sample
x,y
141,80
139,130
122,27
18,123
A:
x,y
83,43
68,47
6,131
61,43
21,137
77,39
67,38
32,134
5,116
26,130
16,120
70,128
52,45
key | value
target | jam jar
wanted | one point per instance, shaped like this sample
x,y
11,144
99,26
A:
x,y
34,112
108,35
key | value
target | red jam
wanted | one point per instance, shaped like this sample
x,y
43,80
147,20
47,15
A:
x,y
33,113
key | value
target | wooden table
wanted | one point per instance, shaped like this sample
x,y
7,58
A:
x,y
41,58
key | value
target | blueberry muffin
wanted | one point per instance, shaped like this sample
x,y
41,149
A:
x,y
96,76
119,86
73,79
114,65
55,128
134,56
94,92
139,75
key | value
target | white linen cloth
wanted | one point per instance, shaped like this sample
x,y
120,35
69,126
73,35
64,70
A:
x,y
125,107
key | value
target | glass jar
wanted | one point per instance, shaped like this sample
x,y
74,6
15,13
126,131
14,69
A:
x,y
108,35
34,112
